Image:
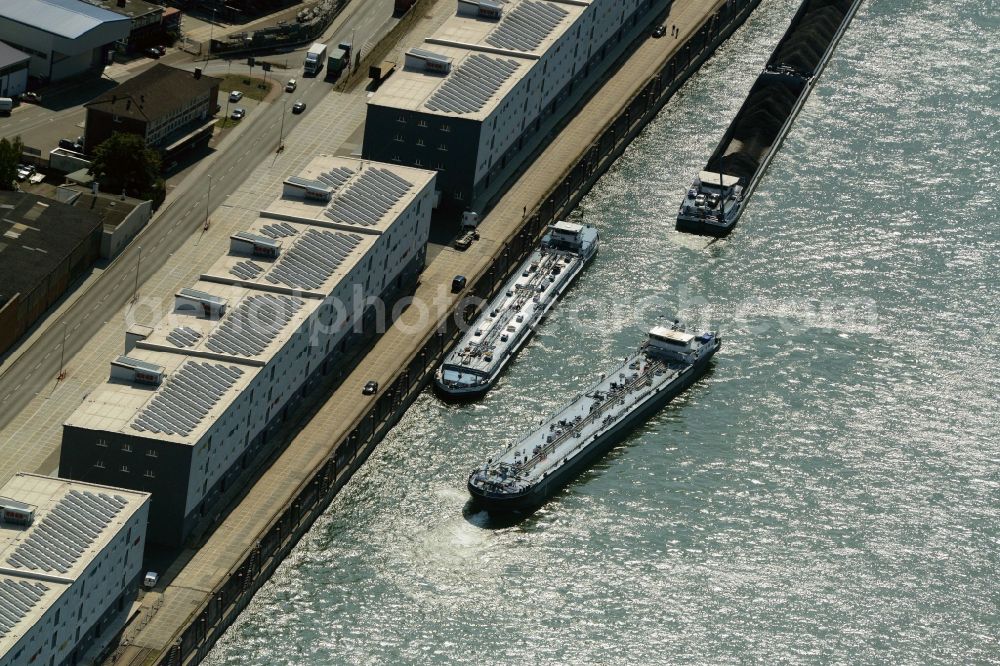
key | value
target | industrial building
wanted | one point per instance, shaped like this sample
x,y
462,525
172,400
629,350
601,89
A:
x,y
472,100
13,71
46,246
121,217
168,107
191,401
70,561
145,21
64,38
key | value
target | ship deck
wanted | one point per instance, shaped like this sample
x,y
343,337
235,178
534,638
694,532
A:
x,y
577,424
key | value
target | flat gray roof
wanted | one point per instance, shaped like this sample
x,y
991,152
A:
x,y
488,57
11,56
66,18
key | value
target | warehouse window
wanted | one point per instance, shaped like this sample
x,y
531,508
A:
x,y
124,468
150,474
99,464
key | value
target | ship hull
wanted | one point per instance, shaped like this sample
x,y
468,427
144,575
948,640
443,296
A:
x,y
538,493
699,227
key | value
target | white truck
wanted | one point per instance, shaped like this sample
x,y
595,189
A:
x,y
315,58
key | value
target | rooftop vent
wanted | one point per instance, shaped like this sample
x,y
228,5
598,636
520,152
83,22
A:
x,y
244,242
212,306
296,186
429,61
483,8
16,513
134,370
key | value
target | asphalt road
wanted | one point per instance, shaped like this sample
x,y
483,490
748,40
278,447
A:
x,y
182,215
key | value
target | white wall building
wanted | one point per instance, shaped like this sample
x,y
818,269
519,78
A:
x,y
189,404
63,37
70,559
470,101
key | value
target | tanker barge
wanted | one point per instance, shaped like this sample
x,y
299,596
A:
x,y
717,197
510,319
524,475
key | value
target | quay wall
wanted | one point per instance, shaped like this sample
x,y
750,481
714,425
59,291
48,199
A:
x,y
313,495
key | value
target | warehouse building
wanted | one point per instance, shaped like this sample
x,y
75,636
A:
x,y
474,101
64,38
70,561
46,246
190,403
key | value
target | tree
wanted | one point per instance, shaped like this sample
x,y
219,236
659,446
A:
x,y
10,156
125,163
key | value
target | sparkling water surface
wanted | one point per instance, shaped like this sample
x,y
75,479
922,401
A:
x,y
827,493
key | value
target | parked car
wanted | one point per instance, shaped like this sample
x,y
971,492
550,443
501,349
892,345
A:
x,y
162,50
290,86
67,144
235,96
465,239
238,113
371,388
298,107
150,579
458,284
660,31
24,171
32,97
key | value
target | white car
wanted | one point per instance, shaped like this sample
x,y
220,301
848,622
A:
x,y
24,171
235,96
290,86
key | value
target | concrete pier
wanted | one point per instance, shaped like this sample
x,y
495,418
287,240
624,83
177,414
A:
x,y
210,585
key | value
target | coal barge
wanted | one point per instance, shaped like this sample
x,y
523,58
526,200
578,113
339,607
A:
x,y
717,197
524,475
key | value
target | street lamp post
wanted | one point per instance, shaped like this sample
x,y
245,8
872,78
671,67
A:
x,y
211,33
62,355
281,129
208,200
138,258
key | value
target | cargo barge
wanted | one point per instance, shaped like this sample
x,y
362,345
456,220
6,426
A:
x,y
717,197
524,475
510,319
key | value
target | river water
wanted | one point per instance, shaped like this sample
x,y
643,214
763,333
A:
x,y
829,492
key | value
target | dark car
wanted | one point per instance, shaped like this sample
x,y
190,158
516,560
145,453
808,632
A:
x,y
162,50
371,388
660,31
458,284
238,113
151,52
298,107
33,97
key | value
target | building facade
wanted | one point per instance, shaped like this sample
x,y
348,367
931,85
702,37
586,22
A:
x,y
160,105
64,38
472,101
70,561
191,403
13,71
